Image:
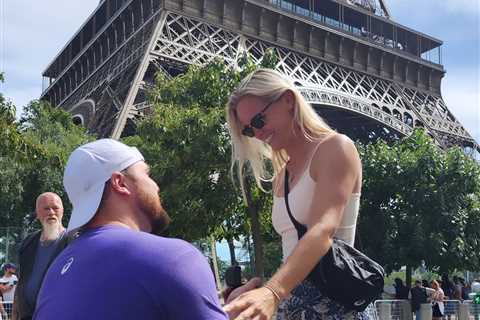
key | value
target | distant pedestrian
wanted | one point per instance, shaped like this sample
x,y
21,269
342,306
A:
x,y
418,295
9,280
447,286
425,284
457,288
37,251
437,297
465,289
401,291
3,313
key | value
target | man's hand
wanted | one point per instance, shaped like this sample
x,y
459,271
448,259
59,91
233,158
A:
x,y
258,304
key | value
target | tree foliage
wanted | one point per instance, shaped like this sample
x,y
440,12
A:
x,y
420,203
33,154
186,142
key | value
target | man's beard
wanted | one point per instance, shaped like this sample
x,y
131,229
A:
x,y
150,205
50,231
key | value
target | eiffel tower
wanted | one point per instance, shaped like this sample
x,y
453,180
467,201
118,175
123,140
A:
x,y
367,75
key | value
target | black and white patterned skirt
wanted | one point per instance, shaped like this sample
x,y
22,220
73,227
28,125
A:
x,y
308,303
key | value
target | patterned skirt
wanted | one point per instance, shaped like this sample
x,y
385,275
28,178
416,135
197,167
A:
x,y
307,303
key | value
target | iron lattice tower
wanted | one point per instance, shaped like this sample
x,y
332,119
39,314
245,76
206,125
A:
x,y
366,74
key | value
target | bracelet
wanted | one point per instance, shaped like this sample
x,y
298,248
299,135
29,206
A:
x,y
273,291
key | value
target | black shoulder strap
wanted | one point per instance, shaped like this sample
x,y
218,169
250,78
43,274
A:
x,y
301,229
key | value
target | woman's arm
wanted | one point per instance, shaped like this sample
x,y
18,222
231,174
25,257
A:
x,y
336,168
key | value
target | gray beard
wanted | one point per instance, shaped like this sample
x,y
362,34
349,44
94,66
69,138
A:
x,y
50,232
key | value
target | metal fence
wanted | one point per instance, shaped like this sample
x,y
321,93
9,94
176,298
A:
x,y
385,310
401,310
10,237
5,310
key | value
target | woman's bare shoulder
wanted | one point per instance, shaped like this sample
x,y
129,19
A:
x,y
334,146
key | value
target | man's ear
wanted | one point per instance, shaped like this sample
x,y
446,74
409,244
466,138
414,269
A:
x,y
120,184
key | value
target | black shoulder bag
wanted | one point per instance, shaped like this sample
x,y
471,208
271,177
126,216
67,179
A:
x,y
344,274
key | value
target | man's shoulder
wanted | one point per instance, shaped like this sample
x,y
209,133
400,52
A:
x,y
133,244
29,239
173,248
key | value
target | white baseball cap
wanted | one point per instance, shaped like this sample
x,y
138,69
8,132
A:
x,y
88,168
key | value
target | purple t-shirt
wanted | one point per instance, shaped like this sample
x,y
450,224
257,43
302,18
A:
x,y
112,272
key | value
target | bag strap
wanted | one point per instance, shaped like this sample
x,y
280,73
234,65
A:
x,y
301,229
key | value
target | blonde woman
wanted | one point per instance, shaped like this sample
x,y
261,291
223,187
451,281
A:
x,y
436,297
270,121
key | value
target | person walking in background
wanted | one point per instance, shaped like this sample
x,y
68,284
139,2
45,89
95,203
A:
x,y
3,287
37,251
401,291
447,286
418,295
437,297
425,283
271,123
465,289
457,292
9,280
117,267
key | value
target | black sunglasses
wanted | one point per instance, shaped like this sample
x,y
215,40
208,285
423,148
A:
x,y
257,122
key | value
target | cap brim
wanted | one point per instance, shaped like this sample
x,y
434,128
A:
x,y
86,208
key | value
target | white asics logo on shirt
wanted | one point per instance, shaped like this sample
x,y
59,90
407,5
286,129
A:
x,y
67,266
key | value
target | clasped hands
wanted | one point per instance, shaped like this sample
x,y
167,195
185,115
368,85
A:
x,y
252,301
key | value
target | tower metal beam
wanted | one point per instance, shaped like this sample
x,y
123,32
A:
x,y
331,66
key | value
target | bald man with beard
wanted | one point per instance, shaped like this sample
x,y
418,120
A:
x,y
37,252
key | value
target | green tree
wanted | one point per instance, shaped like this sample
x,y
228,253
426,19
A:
x,y
186,141
419,202
32,159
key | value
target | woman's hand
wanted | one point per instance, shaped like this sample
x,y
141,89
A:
x,y
258,304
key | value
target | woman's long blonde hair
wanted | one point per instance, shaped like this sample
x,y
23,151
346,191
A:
x,y
267,85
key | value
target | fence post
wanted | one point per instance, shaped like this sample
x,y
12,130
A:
x,y
463,311
406,310
385,311
425,311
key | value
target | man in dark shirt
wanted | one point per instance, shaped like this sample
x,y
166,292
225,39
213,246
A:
x,y
401,291
37,252
418,295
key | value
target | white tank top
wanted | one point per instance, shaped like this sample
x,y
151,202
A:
x,y
300,199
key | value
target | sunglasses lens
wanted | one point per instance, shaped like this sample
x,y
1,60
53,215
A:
x,y
248,131
257,121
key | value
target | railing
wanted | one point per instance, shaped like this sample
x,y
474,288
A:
x,y
386,310
401,310
433,56
6,310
